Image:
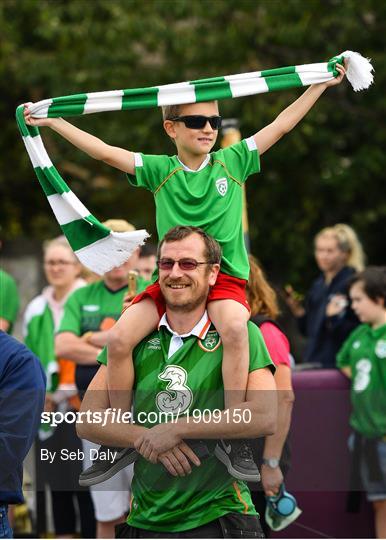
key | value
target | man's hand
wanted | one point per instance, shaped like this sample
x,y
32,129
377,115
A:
x,y
339,78
293,301
175,460
271,480
49,403
157,440
336,305
97,339
127,301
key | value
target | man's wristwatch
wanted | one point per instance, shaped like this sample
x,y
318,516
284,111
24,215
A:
x,y
271,462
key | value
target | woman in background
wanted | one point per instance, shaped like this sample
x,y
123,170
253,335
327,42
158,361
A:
x,y
327,318
271,452
42,317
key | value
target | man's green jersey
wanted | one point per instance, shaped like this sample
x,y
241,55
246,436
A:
x,y
93,308
188,382
365,353
210,198
9,299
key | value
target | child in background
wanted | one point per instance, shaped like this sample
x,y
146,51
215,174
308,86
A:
x,y
363,359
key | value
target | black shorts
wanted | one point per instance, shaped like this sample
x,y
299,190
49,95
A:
x,y
233,525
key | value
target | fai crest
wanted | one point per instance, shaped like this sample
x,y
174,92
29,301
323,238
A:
x,y
380,348
211,342
222,186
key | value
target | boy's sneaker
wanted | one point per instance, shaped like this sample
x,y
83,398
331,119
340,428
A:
x,y
237,456
103,469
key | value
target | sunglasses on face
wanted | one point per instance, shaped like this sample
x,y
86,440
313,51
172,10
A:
x,y
197,121
184,264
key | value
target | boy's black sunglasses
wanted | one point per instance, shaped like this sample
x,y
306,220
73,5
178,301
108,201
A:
x,y
197,121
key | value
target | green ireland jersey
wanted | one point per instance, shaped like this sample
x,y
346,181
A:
x,y
365,353
9,299
94,307
38,329
210,198
188,383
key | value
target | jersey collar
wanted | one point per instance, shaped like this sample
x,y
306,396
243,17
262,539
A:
x,y
202,166
200,330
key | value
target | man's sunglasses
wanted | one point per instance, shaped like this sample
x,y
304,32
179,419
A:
x,y
184,264
197,121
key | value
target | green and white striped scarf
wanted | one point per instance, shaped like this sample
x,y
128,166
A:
x,y
96,246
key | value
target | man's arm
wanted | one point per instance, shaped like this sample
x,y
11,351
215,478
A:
x,y
287,119
96,400
68,345
261,401
112,155
123,435
273,447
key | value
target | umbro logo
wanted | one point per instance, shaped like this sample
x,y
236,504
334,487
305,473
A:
x,y
91,307
154,344
222,186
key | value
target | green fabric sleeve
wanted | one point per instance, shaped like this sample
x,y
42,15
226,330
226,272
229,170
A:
x,y
258,352
9,298
71,320
240,161
152,172
102,356
343,356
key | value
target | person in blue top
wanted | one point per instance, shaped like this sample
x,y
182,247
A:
x,y
22,392
327,319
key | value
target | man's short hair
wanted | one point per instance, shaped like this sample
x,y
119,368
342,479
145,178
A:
x,y
212,247
374,282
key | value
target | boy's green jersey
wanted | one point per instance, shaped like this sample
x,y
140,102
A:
x,y
365,353
210,198
9,299
189,382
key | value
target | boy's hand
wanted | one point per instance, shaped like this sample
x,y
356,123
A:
x,y
37,122
339,78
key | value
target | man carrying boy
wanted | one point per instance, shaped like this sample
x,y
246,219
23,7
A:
x,y
204,189
178,371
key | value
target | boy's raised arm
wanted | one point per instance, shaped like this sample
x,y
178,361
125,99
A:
x,y
112,155
287,119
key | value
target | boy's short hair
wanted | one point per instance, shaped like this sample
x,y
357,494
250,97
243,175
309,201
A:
x,y
374,282
170,111
212,247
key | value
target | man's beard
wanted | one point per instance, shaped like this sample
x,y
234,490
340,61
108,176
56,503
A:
x,y
189,305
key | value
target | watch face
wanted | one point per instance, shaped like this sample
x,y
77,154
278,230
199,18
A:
x,y
273,462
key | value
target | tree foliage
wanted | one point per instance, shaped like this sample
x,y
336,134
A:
x,y
330,169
